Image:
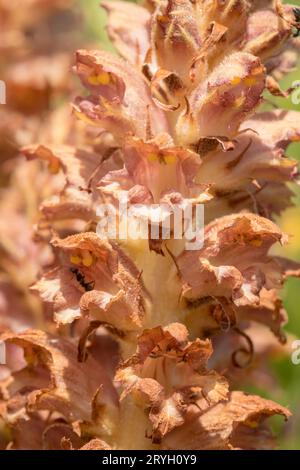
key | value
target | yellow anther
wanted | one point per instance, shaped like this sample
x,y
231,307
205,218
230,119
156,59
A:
x,y
30,358
85,119
235,80
153,157
286,163
75,259
163,18
93,79
251,424
256,242
54,166
170,159
103,78
87,258
250,81
238,102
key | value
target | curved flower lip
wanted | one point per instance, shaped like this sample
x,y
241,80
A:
x,y
142,192
167,374
120,97
97,280
72,204
233,259
81,168
113,310
56,288
259,153
234,271
167,86
159,169
218,106
72,386
277,128
77,164
233,424
284,62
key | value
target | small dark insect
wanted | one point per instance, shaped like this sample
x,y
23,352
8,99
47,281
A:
x,y
296,12
80,278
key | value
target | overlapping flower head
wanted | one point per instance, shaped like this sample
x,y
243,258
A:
x,y
176,121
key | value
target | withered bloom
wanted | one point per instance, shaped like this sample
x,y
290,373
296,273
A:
x,y
145,338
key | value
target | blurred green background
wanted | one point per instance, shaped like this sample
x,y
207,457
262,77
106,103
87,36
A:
x,y
288,391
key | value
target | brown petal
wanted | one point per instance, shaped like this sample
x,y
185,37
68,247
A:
x,y
72,384
218,427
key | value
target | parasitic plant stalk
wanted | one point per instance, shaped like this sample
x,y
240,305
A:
x,y
151,338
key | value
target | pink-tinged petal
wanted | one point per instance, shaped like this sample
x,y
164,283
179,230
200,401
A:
x,y
258,154
218,106
168,374
232,14
115,310
97,281
159,169
268,29
72,204
175,37
76,164
72,385
120,98
233,262
286,61
81,170
228,425
129,29
277,129
56,288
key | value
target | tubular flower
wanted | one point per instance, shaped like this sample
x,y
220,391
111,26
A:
x,y
146,337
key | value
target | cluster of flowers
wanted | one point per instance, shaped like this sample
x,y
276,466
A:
x,y
139,344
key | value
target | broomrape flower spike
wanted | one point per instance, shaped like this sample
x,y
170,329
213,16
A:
x,y
151,335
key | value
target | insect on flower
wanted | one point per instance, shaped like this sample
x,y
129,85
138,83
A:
x,y
88,286
296,12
